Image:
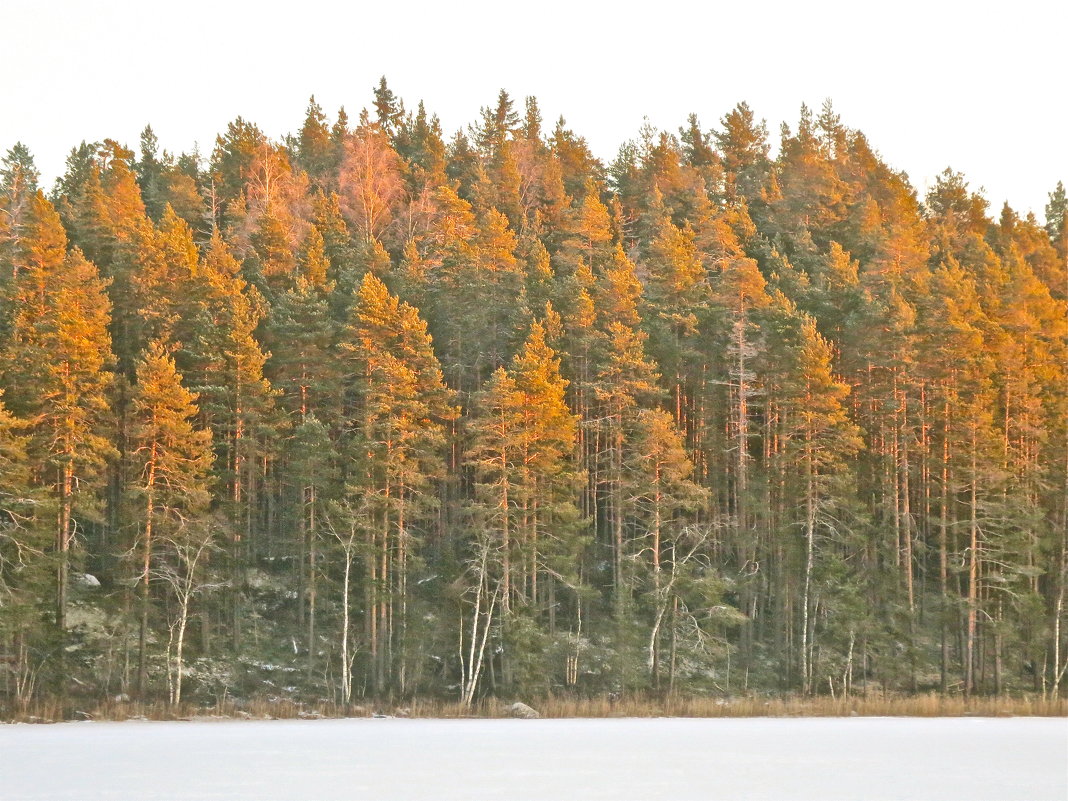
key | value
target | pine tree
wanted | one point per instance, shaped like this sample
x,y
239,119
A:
x,y
397,408
577,163
25,565
162,285
337,246
231,162
821,441
475,291
302,366
676,294
587,236
222,361
744,145
170,462
625,383
523,513
662,500
55,370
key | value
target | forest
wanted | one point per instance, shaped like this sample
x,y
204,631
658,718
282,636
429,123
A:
x,y
381,412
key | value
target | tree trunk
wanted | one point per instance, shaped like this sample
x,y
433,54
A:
x,y
943,551
63,537
810,534
346,627
146,567
313,556
973,575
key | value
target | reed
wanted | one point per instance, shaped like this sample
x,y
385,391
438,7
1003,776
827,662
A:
x,y
634,706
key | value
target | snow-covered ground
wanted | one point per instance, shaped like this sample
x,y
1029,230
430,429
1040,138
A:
x,y
434,760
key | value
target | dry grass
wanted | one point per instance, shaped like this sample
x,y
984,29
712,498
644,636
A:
x,y
931,705
871,706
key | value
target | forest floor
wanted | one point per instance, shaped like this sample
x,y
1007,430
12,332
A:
x,y
677,706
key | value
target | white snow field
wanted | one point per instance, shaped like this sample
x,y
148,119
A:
x,y
510,760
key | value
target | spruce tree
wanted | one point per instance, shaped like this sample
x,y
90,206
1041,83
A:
x,y
18,184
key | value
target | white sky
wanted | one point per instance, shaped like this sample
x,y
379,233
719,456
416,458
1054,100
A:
x,y
974,85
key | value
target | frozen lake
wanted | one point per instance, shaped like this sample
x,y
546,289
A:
x,y
434,760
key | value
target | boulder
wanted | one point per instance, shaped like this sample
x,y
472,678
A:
x,y
521,710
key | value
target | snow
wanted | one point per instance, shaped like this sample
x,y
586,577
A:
x,y
860,759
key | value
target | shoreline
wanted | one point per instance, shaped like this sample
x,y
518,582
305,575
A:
x,y
920,706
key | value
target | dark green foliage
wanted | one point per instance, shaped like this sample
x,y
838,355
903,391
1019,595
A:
x,y
489,418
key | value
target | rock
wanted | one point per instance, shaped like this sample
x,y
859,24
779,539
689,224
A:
x,y
87,580
521,710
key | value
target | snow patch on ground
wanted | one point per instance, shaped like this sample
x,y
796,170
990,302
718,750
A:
x,y
859,759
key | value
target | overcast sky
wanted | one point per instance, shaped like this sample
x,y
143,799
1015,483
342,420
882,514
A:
x,y
976,86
